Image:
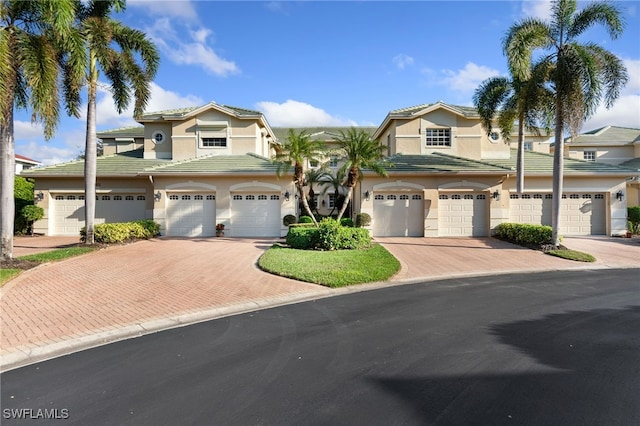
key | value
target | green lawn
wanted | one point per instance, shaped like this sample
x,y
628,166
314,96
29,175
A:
x,y
572,255
7,274
331,268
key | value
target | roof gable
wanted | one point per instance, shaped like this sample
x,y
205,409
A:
x,y
608,135
183,113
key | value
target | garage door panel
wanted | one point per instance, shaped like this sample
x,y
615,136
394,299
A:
x,y
462,215
191,215
255,215
580,213
398,215
69,210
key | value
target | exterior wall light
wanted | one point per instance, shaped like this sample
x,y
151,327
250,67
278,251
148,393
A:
x,y
620,196
367,195
287,196
39,196
157,196
495,195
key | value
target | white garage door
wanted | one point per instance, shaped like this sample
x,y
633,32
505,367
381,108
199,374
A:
x,y
462,215
191,215
398,215
581,213
68,210
255,215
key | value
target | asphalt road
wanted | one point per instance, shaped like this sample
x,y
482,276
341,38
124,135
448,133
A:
x,y
559,348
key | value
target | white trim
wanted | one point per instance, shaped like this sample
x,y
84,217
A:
x,y
397,184
189,184
255,183
463,184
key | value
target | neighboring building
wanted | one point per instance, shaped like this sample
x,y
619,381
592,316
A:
x,y
191,168
611,145
24,163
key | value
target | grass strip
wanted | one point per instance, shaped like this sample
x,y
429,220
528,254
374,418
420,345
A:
x,y
7,274
331,268
576,255
58,254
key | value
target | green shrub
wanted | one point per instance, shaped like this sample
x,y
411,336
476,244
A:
x,y
302,237
289,219
524,234
110,233
305,219
30,213
302,225
633,216
333,236
346,221
362,220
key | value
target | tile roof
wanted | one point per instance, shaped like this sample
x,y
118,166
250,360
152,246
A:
x,y
181,112
467,111
539,163
441,163
609,135
216,164
320,133
134,131
632,164
124,164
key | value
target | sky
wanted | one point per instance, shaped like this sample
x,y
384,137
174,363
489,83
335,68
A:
x,y
326,63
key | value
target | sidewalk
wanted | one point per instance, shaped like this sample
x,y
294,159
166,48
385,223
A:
x,y
126,291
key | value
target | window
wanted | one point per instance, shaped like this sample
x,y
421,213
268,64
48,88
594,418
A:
x,y
416,197
574,196
589,155
117,197
526,196
468,197
262,197
186,197
106,197
586,196
81,197
59,197
157,137
404,197
211,197
494,136
250,197
71,197
237,197
599,196
313,163
378,197
332,200
481,197
141,198
391,197
333,161
456,197
173,197
527,146
514,196
443,197
438,137
275,197
129,198
214,142
548,196
537,196
198,197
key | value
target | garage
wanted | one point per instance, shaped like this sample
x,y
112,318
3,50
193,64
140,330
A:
x,y
68,210
581,213
255,215
191,214
398,215
463,215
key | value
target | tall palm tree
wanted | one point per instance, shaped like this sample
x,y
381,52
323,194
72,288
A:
x,y
34,36
509,100
295,151
360,152
312,177
334,183
114,48
581,74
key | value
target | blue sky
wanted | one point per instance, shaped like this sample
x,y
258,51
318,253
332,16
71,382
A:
x,y
322,63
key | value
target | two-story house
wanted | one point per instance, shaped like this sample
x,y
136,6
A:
x,y
611,145
192,168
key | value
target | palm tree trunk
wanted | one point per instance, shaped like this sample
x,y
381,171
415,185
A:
x,y
347,199
305,203
520,157
558,170
90,156
7,179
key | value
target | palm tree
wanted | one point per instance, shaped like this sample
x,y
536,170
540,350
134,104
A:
x,y
113,47
581,74
359,152
334,183
296,150
312,177
34,36
512,99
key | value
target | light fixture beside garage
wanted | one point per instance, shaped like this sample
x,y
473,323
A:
x,y
367,195
157,196
39,196
287,196
620,196
495,195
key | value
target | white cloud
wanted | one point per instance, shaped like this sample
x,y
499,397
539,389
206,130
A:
x,y
299,114
401,60
27,130
193,49
467,79
175,8
48,153
540,9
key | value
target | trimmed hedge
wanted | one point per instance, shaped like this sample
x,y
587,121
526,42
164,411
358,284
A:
x,y
289,219
110,233
329,235
525,234
347,221
302,237
362,220
305,219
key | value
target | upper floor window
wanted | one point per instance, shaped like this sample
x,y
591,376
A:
x,y
157,137
333,161
438,137
214,142
589,155
527,146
